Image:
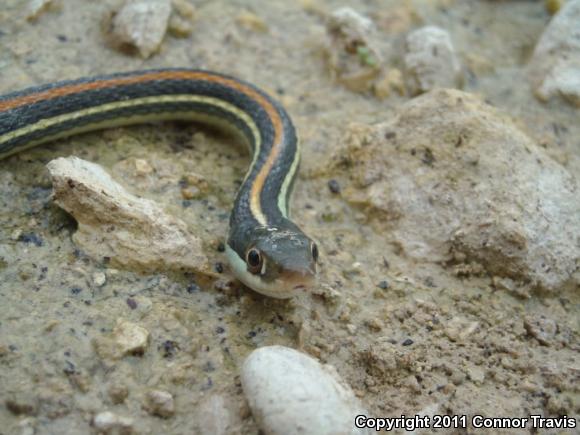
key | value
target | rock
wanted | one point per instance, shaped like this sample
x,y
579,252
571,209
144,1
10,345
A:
x,y
99,279
251,21
117,393
458,329
109,423
126,339
141,25
541,328
38,7
131,339
292,393
159,403
555,66
476,374
134,233
431,61
351,55
452,178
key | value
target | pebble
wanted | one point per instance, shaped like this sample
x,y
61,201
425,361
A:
x,y
159,403
99,279
431,61
555,64
458,329
130,338
107,422
352,56
334,186
291,393
141,24
541,328
476,374
252,22
117,393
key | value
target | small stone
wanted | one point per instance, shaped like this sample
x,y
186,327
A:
x,y
476,374
352,55
118,393
431,61
316,400
142,167
16,234
141,24
252,22
407,342
334,186
190,192
375,324
384,285
99,279
541,328
130,339
458,329
159,403
109,423
555,65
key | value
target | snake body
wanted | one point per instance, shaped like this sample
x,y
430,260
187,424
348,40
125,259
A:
x,y
266,250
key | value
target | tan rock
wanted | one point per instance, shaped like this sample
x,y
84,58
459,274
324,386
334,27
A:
x,y
159,403
555,66
141,24
450,174
134,233
130,338
431,61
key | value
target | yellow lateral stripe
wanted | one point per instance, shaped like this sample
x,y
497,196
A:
x,y
282,203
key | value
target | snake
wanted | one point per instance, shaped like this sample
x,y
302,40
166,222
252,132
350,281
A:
x,y
266,250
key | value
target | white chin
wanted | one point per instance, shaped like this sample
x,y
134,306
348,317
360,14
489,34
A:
x,y
276,290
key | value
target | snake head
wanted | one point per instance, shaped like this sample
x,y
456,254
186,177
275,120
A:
x,y
276,262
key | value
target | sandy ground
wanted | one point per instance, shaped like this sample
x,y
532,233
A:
x,y
429,342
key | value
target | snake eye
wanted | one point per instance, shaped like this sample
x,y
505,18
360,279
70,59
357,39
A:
x,y
314,250
254,260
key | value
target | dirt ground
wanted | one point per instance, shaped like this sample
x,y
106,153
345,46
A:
x,y
410,337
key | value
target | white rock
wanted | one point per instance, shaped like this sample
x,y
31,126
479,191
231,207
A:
x,y
134,233
352,54
142,24
130,338
291,393
109,423
431,61
555,65
159,403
